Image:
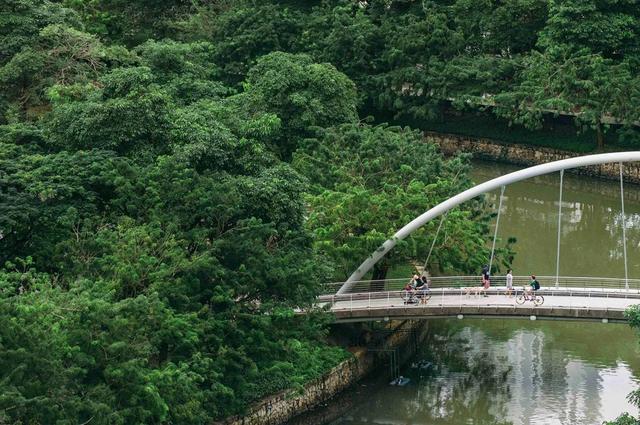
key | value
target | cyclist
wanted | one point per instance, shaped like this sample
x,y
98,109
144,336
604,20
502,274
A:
x,y
534,285
409,293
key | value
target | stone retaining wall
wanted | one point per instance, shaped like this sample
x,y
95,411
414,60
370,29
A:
x,y
522,154
281,407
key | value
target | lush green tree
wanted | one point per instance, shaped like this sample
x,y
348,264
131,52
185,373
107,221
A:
x,y
369,182
624,419
346,36
303,95
244,32
129,113
588,86
129,22
61,55
22,20
187,71
608,27
500,27
147,276
43,195
222,135
202,251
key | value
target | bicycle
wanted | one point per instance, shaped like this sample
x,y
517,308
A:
x,y
415,297
533,297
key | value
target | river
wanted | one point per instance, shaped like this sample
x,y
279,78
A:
x,y
515,371
510,371
591,236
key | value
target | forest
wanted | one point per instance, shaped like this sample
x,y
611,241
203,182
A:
x,y
177,177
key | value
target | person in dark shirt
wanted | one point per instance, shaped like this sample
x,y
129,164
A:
x,y
486,282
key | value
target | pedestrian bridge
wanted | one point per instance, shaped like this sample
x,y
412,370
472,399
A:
x,y
601,299
564,297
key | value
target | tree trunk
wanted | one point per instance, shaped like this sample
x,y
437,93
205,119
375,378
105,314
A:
x,y
378,278
599,136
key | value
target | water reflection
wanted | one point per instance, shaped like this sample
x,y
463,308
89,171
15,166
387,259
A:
x,y
511,372
591,243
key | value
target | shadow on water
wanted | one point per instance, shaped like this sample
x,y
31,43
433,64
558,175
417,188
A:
x,y
498,371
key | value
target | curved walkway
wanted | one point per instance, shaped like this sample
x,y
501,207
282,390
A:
x,y
561,303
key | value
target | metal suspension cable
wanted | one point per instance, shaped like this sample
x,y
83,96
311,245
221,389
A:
x,y
495,233
624,232
559,228
424,267
434,242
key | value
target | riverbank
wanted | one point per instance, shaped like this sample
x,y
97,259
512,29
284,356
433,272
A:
x,y
400,337
522,154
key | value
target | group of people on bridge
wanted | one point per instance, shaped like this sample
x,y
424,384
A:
x,y
417,289
533,286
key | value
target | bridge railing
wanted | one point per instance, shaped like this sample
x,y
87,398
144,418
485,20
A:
x,y
457,282
495,297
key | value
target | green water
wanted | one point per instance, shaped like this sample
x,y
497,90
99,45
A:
x,y
591,242
510,371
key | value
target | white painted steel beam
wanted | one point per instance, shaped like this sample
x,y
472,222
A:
x,y
488,186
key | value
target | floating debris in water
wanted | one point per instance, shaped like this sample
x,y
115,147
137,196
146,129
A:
x,y
400,381
422,365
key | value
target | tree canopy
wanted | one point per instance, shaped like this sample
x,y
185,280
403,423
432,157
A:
x,y
176,178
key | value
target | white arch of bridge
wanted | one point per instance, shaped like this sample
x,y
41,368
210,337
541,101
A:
x,y
488,186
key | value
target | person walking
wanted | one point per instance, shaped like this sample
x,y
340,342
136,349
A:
x,y
509,279
486,282
408,293
415,281
423,289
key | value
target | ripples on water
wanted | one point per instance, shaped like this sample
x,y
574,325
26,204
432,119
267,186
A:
x,y
508,371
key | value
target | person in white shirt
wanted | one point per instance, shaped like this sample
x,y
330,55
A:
x,y
509,283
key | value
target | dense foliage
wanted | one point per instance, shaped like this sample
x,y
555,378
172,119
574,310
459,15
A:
x,y
153,250
523,60
176,178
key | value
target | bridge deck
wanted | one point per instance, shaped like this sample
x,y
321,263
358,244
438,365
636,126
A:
x,y
569,304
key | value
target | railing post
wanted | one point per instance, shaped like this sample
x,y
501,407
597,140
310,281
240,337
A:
x,y
351,304
559,228
624,232
369,306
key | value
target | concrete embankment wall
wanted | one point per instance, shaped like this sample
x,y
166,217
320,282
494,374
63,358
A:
x,y
521,154
281,407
